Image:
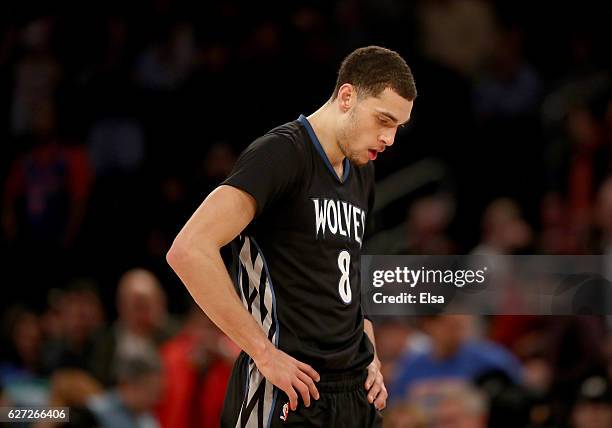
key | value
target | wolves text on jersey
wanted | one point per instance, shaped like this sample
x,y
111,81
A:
x,y
339,218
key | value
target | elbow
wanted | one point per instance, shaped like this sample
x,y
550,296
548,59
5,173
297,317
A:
x,y
184,252
177,254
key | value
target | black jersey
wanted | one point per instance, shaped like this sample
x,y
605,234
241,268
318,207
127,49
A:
x,y
297,264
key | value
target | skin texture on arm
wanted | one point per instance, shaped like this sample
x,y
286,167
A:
x,y
375,385
196,259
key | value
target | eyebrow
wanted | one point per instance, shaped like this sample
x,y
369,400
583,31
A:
x,y
391,117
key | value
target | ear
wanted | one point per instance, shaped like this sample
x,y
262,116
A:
x,y
347,96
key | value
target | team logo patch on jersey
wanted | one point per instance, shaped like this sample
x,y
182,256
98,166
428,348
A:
x,y
285,412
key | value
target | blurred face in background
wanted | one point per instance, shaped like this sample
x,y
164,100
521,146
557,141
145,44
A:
x,y
369,125
504,226
429,216
81,315
141,302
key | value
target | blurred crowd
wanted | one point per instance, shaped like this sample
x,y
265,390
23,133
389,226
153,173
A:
x,y
148,368
145,369
118,119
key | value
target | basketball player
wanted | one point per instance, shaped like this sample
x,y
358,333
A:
x,y
295,209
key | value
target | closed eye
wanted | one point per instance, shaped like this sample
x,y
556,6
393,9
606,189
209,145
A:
x,y
384,121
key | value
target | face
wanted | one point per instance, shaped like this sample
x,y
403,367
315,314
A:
x,y
141,312
141,303
368,126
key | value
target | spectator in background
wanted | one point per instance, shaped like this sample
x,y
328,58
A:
x,y
576,116
45,201
509,88
593,408
509,405
558,235
423,232
504,231
79,317
74,389
134,136
576,353
454,358
458,34
143,323
590,158
428,220
139,388
395,337
46,191
116,144
460,407
37,74
506,96
197,365
20,366
168,62
23,339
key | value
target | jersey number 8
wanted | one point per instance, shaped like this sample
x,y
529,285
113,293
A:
x,y
344,285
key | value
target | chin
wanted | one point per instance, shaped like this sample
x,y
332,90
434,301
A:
x,y
359,161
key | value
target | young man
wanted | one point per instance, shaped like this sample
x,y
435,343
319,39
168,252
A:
x,y
295,208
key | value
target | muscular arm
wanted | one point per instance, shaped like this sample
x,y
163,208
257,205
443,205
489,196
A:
x,y
195,257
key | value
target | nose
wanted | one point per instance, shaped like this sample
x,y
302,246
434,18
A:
x,y
388,138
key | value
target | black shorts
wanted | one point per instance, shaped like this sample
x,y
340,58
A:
x,y
253,402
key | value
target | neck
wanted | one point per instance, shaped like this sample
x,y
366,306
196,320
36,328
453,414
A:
x,y
323,122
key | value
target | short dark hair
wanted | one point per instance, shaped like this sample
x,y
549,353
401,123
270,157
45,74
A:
x,y
372,69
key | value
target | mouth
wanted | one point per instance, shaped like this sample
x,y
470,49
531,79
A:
x,y
372,154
